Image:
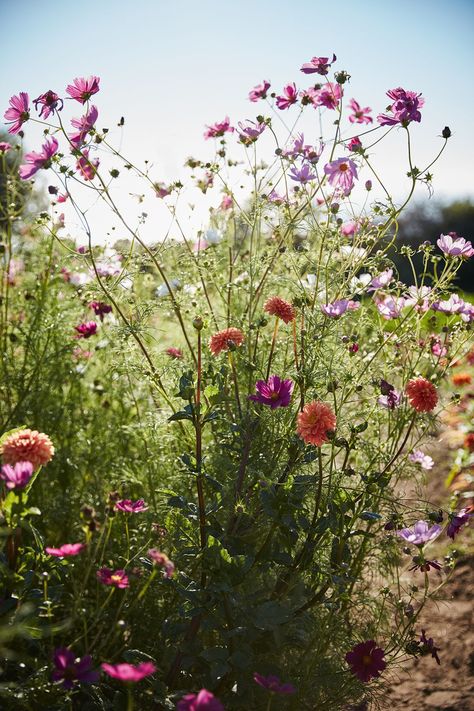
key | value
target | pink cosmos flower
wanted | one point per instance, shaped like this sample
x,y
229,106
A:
x,y
381,280
248,133
318,65
274,392
420,534
329,96
161,190
359,115
82,89
389,306
49,103
67,549
366,660
289,97
341,174
349,229
5,147
226,202
259,91
418,298
86,167
84,124
302,175
404,109
163,561
86,329
18,113
129,672
115,578
202,701
453,305
419,457
37,161
129,506
70,669
339,307
218,129
454,246
176,353
16,476
273,684
354,145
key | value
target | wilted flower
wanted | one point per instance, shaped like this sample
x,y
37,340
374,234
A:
x,y
289,97
404,109
390,397
341,174
273,392
273,684
129,672
162,560
275,306
16,476
49,102
218,129
366,660
419,457
359,115
318,65
422,394
70,669
458,520
67,549
339,307
259,91
83,125
18,113
27,446
128,506
115,578
82,89
204,700
428,647
225,340
86,329
454,246
36,161
420,534
314,423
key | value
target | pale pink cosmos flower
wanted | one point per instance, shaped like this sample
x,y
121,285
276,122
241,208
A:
x,y
341,174
259,91
419,457
249,132
302,175
454,246
467,314
329,96
16,476
49,102
318,65
288,97
82,89
129,506
163,561
83,125
381,280
349,229
5,147
87,167
389,306
19,112
453,305
218,129
420,534
418,298
359,115
36,161
226,202
339,307
129,672
67,549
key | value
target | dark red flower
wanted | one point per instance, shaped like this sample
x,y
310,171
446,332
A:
x,y
366,660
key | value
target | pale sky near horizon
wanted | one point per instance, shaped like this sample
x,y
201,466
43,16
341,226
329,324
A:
x,y
171,68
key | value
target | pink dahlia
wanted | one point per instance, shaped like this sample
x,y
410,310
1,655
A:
x,y
314,422
36,161
129,672
422,394
16,476
18,113
27,446
275,306
82,89
366,660
67,549
225,340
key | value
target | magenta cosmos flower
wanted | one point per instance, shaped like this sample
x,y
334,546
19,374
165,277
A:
x,y
129,672
83,125
67,549
454,246
339,307
359,114
289,97
86,329
18,113
328,96
218,129
366,660
318,65
273,684
129,506
49,102
37,161
341,174
404,109
87,167
70,669
458,520
115,578
82,89
100,308
273,392
259,91
420,534
16,476
202,701
163,561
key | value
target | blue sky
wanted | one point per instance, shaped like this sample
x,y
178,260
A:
x,y
170,68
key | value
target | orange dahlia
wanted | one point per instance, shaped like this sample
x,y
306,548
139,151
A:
x,y
314,422
224,340
27,446
461,379
279,308
422,394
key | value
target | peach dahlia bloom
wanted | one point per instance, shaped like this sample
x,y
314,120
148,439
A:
x,y
422,394
314,422
223,340
279,308
27,446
